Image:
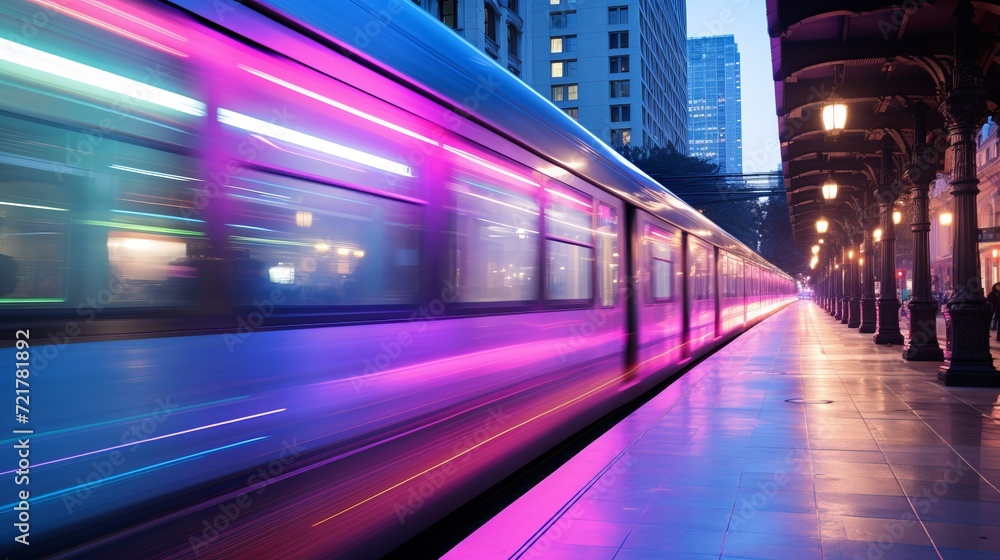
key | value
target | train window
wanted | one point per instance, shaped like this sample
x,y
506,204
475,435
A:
x,y
305,243
663,252
570,247
701,274
495,234
35,212
124,218
607,254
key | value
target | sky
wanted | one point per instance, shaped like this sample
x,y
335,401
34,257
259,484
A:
x,y
747,20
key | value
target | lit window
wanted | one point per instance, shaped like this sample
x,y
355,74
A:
x,y
619,64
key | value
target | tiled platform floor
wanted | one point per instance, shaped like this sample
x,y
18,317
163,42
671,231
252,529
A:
x,y
880,463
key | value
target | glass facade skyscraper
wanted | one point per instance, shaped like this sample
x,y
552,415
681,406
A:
x,y
715,124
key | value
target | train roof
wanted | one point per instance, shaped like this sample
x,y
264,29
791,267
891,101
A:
x,y
402,39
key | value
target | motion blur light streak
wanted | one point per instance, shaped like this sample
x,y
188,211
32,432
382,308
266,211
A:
x,y
113,478
112,28
336,104
251,124
2,203
472,448
482,162
161,216
151,173
41,61
136,19
135,227
147,440
565,196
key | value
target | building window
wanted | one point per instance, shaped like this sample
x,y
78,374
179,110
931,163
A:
x,y
512,5
573,112
620,88
621,137
563,44
621,113
619,64
448,13
513,40
492,18
562,20
563,68
618,14
568,92
618,40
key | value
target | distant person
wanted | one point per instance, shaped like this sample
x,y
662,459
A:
x,y
994,299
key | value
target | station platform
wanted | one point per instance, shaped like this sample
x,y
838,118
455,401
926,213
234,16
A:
x,y
801,440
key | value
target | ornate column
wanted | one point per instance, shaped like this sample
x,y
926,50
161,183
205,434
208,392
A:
x,y
845,275
854,305
887,307
838,298
868,320
968,361
922,344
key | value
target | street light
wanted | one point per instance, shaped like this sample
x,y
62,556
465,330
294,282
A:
x,y
877,234
830,189
834,115
815,249
945,219
897,217
822,225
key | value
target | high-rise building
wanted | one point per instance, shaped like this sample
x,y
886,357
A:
x,y
618,67
498,27
715,124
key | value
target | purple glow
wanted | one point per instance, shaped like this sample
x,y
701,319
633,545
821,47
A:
x,y
482,162
113,28
570,198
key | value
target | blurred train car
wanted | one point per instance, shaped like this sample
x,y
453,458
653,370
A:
x,y
296,279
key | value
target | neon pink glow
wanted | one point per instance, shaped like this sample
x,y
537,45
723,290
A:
x,y
570,198
137,20
109,27
147,440
482,162
336,104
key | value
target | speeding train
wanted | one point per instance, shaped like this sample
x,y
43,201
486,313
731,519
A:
x,y
296,279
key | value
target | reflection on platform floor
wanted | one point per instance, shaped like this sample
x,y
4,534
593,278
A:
x,y
801,439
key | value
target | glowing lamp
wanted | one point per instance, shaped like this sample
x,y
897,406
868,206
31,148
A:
x,y
834,117
945,219
877,234
995,253
897,217
830,189
822,225
815,249
304,219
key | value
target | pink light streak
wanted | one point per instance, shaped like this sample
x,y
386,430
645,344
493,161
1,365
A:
x,y
112,28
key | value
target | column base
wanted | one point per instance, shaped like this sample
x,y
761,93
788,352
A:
x,y
854,315
922,344
888,331
868,321
968,362
845,310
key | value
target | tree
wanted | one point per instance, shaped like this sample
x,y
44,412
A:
x,y
697,182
